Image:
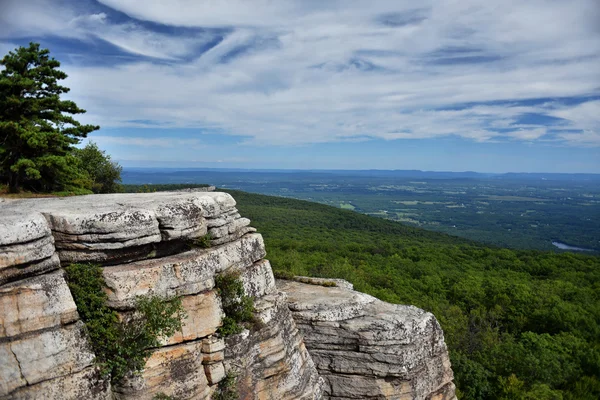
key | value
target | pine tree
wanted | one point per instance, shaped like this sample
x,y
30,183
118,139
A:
x,y
37,130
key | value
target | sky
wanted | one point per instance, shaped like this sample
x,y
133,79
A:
x,y
452,85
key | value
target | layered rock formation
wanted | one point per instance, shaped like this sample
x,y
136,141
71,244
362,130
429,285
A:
x,y
148,245
365,348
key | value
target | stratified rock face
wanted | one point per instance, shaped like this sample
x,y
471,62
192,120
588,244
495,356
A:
x,y
368,349
147,245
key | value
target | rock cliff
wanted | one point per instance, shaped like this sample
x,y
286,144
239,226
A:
x,y
361,347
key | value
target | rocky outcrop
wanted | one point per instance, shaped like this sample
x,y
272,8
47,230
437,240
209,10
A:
x,y
365,348
151,244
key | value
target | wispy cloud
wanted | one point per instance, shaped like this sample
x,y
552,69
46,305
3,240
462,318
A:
x,y
160,142
299,72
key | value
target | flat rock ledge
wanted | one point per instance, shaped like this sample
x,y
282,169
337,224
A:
x,y
365,348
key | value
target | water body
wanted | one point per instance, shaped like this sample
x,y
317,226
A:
x,y
563,246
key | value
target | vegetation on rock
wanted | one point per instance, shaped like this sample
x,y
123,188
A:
x,y
238,307
121,346
227,389
202,242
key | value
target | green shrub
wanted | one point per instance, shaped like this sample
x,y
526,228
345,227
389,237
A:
x,y
238,307
121,347
162,396
283,274
202,242
227,389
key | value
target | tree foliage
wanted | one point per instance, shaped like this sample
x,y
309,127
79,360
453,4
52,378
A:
x,y
104,174
518,324
37,128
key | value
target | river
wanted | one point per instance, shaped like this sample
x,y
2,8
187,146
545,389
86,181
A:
x,y
563,246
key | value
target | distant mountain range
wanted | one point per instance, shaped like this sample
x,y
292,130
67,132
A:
x,y
164,175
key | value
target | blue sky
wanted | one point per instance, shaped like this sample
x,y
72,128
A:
x,y
490,86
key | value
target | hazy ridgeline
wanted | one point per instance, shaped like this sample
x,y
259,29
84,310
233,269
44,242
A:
x,y
523,211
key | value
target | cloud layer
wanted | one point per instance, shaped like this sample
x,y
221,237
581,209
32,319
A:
x,y
297,72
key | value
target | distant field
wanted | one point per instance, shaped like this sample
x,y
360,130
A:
x,y
525,212
513,198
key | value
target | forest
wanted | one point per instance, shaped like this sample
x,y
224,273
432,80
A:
x,y
519,324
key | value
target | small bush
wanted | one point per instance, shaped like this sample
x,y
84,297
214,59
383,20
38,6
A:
x,y
238,307
282,274
227,389
202,242
121,347
162,396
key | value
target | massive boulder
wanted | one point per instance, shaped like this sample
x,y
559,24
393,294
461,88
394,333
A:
x,y
365,348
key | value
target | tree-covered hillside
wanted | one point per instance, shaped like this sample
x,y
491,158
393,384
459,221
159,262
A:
x,y
519,324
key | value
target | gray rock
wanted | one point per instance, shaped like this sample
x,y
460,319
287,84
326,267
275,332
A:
x,y
26,244
258,279
21,271
175,371
47,355
110,228
368,349
87,384
35,304
21,227
181,274
234,236
271,362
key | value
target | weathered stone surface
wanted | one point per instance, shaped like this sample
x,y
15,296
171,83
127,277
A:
x,y
87,384
213,344
20,226
368,349
229,228
35,303
215,372
316,303
23,253
204,316
271,362
21,271
116,228
226,218
26,244
47,355
215,204
234,236
178,275
332,282
174,370
212,358
258,279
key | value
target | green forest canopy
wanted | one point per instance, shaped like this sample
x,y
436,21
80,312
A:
x,y
518,324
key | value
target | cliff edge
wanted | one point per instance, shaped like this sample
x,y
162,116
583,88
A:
x,y
313,342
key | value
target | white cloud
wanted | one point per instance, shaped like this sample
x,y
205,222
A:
x,y
25,18
146,142
296,72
